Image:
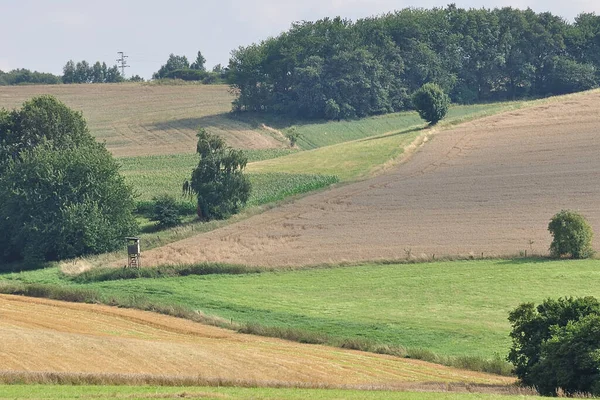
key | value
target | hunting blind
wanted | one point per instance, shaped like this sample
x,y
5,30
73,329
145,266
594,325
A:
x,y
133,252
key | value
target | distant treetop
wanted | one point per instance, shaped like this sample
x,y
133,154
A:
x,y
336,68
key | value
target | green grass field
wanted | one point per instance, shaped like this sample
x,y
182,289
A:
x,y
38,392
355,149
315,134
347,161
451,308
151,176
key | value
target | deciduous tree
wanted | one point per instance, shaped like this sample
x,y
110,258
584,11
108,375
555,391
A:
x,y
218,181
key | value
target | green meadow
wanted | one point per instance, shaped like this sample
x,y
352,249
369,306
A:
x,y
39,392
455,309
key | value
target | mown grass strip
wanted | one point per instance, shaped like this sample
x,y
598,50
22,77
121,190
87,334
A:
x,y
65,386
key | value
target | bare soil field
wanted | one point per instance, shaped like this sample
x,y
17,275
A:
x,y
137,119
488,187
41,335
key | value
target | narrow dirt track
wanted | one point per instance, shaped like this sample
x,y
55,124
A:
x,y
486,187
45,335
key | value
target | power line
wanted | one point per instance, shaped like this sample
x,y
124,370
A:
x,y
123,63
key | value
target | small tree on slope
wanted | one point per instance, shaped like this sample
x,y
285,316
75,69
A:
x,y
431,103
572,235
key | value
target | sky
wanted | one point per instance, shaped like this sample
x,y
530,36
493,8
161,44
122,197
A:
x,y
43,35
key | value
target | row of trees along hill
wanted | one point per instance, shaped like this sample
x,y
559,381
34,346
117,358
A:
x,y
178,67
61,194
335,68
24,76
83,72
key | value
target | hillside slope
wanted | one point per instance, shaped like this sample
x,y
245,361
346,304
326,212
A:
x,y
138,119
487,187
45,335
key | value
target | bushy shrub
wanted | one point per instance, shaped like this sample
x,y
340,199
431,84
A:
x,y
431,103
555,345
166,211
572,235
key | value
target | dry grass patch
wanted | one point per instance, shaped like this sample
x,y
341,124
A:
x,y
137,119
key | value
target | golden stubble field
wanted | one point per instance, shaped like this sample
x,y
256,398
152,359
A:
x,y
488,187
41,335
136,119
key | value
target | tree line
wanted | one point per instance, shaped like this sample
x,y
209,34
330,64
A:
x,y
24,76
178,67
83,72
336,68
80,72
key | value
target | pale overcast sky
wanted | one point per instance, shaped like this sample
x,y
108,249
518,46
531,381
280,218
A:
x,y
44,34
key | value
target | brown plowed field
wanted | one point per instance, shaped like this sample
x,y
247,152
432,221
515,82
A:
x,y
46,335
489,186
143,119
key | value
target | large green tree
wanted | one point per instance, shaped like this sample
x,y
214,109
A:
x,y
555,346
61,194
218,181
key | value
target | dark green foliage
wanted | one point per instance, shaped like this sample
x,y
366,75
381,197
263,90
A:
x,y
556,345
572,235
218,182
136,78
174,63
61,194
293,135
431,103
178,67
568,76
25,76
198,64
335,68
63,203
147,208
40,120
83,72
332,110
186,74
166,211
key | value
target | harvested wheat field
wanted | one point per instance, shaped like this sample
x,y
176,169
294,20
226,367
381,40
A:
x,y
137,119
486,187
45,335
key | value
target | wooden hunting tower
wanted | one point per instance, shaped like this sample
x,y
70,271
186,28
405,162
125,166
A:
x,y
133,252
